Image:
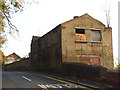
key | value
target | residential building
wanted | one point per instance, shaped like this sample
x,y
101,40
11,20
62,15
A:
x,y
12,58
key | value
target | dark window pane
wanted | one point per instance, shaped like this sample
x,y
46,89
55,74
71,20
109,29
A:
x,y
80,31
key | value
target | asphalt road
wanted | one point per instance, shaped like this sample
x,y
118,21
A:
x,y
34,80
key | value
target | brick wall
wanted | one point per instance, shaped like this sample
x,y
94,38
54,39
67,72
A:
x,y
93,73
110,77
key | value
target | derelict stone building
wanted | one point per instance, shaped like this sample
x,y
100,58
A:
x,y
80,40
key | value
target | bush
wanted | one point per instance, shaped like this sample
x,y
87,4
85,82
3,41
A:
x,y
118,66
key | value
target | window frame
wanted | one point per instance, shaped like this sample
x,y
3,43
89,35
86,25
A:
x,y
79,33
85,34
100,35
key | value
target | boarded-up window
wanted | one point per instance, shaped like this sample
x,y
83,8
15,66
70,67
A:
x,y
96,35
80,34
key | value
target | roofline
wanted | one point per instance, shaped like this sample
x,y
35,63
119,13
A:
x,y
13,54
66,22
51,30
81,16
37,37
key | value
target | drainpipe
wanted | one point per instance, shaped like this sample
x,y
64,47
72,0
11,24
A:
x,y
103,53
66,52
81,52
102,50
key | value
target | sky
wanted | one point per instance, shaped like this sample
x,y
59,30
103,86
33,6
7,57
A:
x,y
38,19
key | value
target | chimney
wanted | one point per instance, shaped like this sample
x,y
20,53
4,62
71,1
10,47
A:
x,y
76,17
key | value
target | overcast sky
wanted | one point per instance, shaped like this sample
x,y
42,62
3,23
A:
x,y
38,19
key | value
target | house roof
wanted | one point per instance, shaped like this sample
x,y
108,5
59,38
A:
x,y
14,55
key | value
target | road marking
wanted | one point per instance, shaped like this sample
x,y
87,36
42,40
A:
x,y
51,86
46,86
26,78
58,85
66,85
42,86
77,86
55,86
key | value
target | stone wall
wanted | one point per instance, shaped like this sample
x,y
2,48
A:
x,y
46,52
22,65
59,45
73,50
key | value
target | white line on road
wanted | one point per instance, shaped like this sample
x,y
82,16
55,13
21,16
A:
x,y
47,86
42,86
55,86
26,78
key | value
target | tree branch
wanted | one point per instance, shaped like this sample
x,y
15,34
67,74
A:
x,y
10,23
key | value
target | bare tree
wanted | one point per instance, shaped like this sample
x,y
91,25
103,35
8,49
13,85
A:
x,y
108,18
107,13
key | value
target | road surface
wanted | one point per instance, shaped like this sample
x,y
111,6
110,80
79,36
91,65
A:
x,y
34,80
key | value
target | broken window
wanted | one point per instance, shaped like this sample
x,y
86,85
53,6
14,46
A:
x,y
80,34
96,35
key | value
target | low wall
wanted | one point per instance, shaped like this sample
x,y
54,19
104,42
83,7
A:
x,y
93,73
22,65
111,77
89,72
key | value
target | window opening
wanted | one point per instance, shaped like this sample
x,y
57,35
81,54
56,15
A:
x,y
80,34
96,35
80,31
